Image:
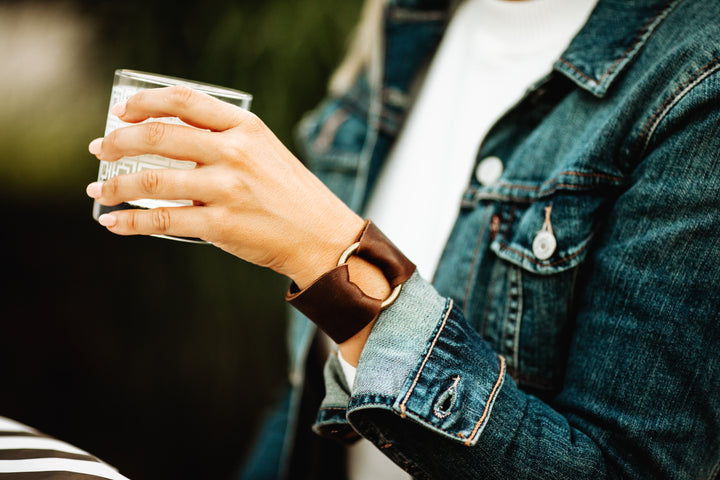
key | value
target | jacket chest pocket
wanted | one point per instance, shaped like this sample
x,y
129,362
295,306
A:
x,y
536,253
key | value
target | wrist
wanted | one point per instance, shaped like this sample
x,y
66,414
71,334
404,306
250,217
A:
x,y
343,308
368,277
372,282
352,348
320,251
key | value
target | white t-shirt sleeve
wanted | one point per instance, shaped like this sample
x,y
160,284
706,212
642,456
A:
x,y
348,370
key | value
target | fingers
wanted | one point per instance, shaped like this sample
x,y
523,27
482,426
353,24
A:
x,y
173,141
175,221
167,184
193,107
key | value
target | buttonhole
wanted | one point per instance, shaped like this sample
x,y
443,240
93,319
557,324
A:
x,y
446,402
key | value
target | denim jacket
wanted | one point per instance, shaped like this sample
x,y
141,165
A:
x,y
572,329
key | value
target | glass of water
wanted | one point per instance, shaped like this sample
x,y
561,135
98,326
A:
x,y
126,84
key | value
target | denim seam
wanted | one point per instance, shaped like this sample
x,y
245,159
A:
x,y
403,407
503,330
326,135
533,188
573,173
389,398
374,121
473,195
516,315
511,306
360,406
479,195
560,186
490,401
492,196
488,404
504,246
550,182
613,178
715,471
352,104
675,97
476,255
639,39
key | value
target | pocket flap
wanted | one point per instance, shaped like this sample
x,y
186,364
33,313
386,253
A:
x,y
567,229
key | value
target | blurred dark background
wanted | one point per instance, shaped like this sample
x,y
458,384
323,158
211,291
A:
x,y
160,357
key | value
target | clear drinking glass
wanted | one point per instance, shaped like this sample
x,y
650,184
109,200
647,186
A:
x,y
126,84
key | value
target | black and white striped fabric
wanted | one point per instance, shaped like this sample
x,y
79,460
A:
x,y
26,454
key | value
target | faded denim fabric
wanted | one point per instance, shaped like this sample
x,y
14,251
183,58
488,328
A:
x,y
600,360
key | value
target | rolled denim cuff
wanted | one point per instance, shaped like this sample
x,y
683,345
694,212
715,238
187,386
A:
x,y
423,362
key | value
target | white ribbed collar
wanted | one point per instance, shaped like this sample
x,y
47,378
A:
x,y
522,27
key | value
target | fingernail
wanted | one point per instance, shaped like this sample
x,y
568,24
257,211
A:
x,y
95,146
119,108
107,220
94,190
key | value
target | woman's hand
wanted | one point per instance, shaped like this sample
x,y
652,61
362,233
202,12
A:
x,y
252,197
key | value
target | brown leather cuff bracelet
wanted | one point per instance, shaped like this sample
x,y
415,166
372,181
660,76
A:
x,y
338,306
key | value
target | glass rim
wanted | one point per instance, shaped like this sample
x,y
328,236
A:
x,y
169,81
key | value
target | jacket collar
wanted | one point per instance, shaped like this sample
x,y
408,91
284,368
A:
x,y
613,35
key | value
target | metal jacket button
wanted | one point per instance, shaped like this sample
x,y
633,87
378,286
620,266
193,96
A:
x,y
544,245
489,170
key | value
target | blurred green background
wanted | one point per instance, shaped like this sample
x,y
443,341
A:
x,y
158,356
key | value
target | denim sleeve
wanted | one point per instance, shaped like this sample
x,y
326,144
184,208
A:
x,y
641,395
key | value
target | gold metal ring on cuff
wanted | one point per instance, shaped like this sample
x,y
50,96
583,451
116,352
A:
x,y
393,295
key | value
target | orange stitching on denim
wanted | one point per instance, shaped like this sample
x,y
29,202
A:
x,y
593,174
698,76
504,246
680,87
609,71
529,188
493,394
568,186
403,409
583,74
